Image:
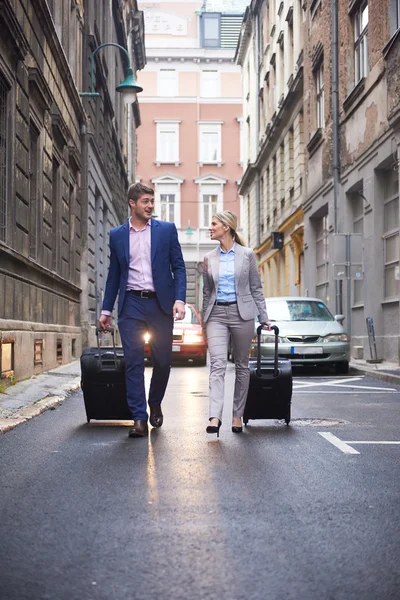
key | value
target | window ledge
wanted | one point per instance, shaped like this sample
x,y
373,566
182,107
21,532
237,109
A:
x,y
354,94
391,43
391,301
158,163
357,306
315,142
210,162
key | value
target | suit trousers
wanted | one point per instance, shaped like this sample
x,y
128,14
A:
x,y
225,322
138,316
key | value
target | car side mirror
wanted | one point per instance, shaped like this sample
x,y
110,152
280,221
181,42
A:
x,y
339,318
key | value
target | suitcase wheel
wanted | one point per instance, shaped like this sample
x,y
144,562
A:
x,y
245,423
287,420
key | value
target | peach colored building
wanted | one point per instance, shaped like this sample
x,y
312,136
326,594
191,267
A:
x,y
189,143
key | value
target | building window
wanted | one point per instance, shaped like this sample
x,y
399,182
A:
x,y
210,143
59,351
210,30
38,353
209,84
3,159
320,97
167,82
7,357
168,204
167,198
322,236
358,227
391,234
210,207
33,190
167,142
361,42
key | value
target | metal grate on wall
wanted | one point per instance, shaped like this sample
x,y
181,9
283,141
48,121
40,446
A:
x,y
230,30
3,158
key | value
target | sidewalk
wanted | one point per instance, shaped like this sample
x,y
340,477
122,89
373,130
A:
x,y
33,396
385,371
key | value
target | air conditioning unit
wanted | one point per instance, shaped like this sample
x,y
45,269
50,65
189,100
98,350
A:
x,y
276,240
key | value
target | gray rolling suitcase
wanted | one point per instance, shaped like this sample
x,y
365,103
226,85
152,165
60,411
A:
x,y
103,382
270,389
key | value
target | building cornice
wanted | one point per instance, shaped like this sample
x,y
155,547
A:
x,y
247,179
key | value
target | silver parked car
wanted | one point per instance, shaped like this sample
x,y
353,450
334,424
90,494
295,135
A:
x,y
308,333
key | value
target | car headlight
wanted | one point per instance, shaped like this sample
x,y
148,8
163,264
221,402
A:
x,y
192,338
341,337
146,337
268,338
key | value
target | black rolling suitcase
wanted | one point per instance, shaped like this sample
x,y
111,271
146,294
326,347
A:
x,y
270,389
103,382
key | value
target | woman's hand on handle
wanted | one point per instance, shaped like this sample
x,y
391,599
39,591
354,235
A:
x,y
267,326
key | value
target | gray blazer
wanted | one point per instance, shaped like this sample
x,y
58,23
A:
x,y
249,292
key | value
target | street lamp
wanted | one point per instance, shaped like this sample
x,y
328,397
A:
x,y
128,87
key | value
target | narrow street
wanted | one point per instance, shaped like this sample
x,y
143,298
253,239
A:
x,y
277,512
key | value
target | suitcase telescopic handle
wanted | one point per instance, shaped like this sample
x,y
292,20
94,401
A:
x,y
109,329
275,328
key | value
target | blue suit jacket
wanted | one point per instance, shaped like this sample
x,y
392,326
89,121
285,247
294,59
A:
x,y
168,266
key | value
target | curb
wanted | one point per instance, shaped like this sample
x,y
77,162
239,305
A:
x,y
381,375
36,409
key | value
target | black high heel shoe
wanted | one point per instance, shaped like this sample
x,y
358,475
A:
x,y
237,429
214,428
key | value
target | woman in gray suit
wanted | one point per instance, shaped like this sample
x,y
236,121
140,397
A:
x,y
232,297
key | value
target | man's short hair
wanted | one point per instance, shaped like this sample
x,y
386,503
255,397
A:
x,y
138,189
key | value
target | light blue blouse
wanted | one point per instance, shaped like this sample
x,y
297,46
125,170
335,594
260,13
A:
x,y
226,282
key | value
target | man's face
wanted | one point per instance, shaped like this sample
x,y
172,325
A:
x,y
143,208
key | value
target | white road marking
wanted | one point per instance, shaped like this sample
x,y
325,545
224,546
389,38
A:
x,y
372,442
342,384
345,448
353,392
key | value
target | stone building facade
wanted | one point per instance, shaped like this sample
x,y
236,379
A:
x,y
270,52
53,146
367,200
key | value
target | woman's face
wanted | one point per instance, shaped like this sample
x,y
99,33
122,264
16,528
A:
x,y
217,229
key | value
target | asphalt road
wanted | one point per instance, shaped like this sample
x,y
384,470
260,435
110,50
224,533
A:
x,y
275,513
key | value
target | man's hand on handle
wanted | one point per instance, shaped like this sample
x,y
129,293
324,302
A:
x,y
178,311
105,321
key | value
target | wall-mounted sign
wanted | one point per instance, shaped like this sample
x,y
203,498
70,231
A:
x,y
161,23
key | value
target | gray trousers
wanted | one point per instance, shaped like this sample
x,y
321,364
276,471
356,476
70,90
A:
x,y
225,321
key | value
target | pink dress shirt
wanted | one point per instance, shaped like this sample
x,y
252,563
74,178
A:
x,y
140,276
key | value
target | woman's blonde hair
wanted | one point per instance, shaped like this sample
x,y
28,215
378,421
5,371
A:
x,y
227,217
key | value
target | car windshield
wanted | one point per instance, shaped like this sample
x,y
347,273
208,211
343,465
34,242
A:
x,y
190,317
298,310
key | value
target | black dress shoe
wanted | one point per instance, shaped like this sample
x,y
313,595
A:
x,y
139,429
214,428
237,429
156,416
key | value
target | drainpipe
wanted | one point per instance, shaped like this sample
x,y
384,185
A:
x,y
257,70
84,191
335,135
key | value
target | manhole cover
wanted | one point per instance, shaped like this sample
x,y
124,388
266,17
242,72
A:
x,y
317,422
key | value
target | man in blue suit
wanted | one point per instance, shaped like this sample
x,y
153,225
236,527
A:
x,y
148,273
